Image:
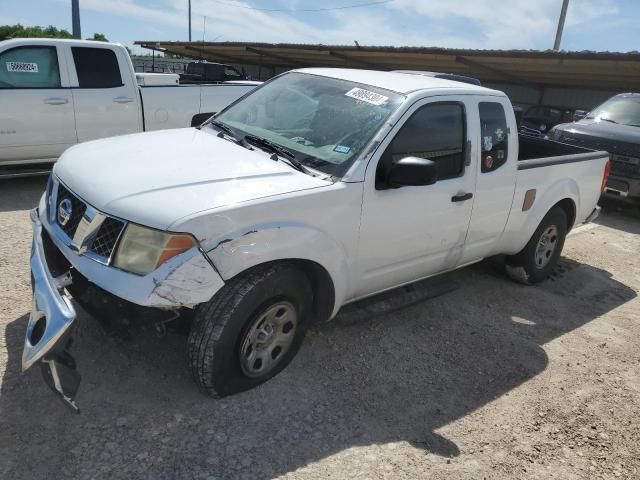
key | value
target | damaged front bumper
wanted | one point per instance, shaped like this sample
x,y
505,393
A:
x,y
52,314
60,270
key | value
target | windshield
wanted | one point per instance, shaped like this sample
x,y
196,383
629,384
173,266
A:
x,y
623,110
550,114
543,112
324,121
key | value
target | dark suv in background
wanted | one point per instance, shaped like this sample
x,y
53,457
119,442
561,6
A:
x,y
539,119
614,126
209,72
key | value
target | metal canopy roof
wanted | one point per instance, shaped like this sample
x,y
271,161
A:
x,y
597,70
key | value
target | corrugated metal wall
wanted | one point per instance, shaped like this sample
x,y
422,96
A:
x,y
577,98
520,95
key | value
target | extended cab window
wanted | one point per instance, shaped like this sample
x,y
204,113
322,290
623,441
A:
x,y
29,67
435,131
96,67
493,128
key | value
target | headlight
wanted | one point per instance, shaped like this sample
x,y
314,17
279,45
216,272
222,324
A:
x,y
141,250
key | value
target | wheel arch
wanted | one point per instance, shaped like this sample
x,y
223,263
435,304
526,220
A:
x,y
320,280
522,223
319,256
569,207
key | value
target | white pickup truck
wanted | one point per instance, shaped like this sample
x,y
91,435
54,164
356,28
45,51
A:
x,y
320,188
56,93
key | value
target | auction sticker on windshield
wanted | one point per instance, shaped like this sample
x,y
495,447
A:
x,y
25,67
367,96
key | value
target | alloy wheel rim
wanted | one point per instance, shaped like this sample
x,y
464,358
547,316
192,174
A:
x,y
268,339
546,247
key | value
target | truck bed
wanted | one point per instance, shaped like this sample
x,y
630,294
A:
x,y
547,170
176,106
537,147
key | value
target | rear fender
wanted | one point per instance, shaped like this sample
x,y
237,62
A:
x,y
522,225
259,244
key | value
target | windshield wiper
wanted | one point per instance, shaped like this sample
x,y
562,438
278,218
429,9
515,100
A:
x,y
279,150
224,128
608,120
268,145
298,166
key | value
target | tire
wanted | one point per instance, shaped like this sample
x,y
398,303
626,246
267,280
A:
x,y
536,260
245,321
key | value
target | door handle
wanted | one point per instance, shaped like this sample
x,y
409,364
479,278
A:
x,y
462,197
56,101
123,99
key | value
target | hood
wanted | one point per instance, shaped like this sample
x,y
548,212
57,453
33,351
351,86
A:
x,y
599,135
159,177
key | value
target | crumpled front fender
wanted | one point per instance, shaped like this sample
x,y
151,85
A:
x,y
259,244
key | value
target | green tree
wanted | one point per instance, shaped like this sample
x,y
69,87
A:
x,y
19,31
99,37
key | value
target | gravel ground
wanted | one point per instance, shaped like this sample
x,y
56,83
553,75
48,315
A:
x,y
493,380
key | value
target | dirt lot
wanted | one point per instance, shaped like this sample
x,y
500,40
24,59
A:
x,y
493,380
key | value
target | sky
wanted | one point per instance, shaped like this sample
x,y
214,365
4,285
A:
x,y
600,25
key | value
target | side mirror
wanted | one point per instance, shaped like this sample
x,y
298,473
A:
x,y
412,172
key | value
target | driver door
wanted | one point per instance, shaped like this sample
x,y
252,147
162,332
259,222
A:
x,y
37,119
411,232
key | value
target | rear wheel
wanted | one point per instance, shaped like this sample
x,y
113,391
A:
x,y
250,330
539,257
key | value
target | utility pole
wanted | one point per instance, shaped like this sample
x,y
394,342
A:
x,y
563,16
189,20
75,18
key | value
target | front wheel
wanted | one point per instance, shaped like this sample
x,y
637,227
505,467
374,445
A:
x,y
539,257
250,330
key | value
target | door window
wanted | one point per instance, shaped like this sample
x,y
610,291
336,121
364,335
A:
x,y
96,67
29,67
493,128
435,131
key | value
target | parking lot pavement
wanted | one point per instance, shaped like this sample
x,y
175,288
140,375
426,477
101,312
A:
x,y
493,380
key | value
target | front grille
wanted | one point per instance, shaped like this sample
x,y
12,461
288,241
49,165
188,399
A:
x,y
625,166
105,240
624,169
107,236
617,185
78,208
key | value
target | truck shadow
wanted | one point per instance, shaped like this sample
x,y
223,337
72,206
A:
x,y
399,377
624,216
21,193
